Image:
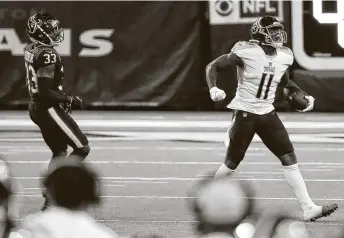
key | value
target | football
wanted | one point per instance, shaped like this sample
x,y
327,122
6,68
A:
x,y
295,98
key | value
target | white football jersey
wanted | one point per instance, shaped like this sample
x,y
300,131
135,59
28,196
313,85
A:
x,y
58,222
258,80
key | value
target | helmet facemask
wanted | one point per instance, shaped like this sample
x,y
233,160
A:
x,y
274,36
56,34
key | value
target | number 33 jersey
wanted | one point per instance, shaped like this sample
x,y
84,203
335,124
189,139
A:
x,y
259,78
37,57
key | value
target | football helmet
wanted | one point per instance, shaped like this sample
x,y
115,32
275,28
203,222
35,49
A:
x,y
44,29
269,31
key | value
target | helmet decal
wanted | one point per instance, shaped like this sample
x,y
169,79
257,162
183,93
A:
x,y
254,28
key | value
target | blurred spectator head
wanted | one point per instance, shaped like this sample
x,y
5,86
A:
x,y
71,184
6,207
220,204
281,226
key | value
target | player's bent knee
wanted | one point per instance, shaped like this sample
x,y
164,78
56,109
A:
x,y
86,149
82,151
234,156
288,159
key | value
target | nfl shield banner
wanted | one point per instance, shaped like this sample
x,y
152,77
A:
x,y
243,11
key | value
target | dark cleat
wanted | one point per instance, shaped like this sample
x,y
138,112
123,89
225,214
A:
x,y
325,211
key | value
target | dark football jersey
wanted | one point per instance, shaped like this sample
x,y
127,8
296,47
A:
x,y
37,57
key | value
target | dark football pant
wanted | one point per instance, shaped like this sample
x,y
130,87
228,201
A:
x,y
268,127
58,129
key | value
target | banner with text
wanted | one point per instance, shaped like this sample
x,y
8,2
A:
x,y
115,53
243,11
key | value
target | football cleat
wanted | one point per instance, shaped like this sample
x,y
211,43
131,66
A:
x,y
318,212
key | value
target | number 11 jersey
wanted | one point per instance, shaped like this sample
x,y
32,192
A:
x,y
259,78
39,56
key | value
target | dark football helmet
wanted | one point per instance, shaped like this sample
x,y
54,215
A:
x,y
45,29
269,31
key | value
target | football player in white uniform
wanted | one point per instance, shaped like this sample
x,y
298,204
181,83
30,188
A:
x,y
262,64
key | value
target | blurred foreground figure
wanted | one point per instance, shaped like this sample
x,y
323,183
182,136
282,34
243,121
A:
x,y
6,203
72,188
50,107
223,209
220,206
279,226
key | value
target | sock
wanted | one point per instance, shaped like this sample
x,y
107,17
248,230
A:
x,y
295,180
224,170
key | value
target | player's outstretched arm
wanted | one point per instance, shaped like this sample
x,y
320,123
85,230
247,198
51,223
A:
x,y
45,76
219,63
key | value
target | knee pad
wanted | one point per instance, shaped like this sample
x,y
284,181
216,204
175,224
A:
x,y
82,151
234,157
288,159
231,164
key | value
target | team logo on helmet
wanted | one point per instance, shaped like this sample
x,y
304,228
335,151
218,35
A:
x,y
254,28
32,24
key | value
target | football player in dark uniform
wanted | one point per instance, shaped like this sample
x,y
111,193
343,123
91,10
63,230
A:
x,y
49,108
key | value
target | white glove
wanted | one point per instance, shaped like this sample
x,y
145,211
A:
x,y
310,105
217,94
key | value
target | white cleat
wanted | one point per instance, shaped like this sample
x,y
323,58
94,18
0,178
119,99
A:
x,y
317,212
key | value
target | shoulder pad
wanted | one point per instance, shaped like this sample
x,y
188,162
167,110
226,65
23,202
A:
x,y
46,56
286,50
241,45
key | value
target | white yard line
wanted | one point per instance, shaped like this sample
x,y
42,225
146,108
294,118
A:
x,y
193,179
186,197
174,162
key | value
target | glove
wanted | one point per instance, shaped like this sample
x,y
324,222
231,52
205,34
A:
x,y
74,101
77,102
66,107
217,94
310,105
